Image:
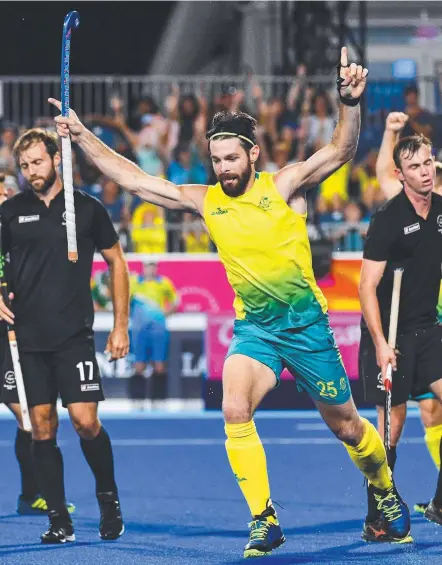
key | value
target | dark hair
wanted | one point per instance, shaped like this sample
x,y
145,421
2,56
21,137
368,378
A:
x,y
36,135
412,89
239,123
438,166
408,146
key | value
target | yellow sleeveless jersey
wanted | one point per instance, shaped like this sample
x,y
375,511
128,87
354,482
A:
x,y
265,250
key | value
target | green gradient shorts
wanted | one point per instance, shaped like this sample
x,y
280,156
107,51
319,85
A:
x,y
309,353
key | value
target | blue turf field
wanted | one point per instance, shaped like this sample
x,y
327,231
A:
x,y
182,506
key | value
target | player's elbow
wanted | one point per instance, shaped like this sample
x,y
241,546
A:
x,y
343,152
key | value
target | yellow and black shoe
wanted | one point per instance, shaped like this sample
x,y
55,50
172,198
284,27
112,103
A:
x,y
37,506
265,534
420,507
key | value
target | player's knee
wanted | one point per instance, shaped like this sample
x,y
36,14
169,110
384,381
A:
x,y
86,426
431,413
44,423
349,431
237,411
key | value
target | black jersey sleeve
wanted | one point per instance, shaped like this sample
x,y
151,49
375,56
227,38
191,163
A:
x,y
379,238
5,231
103,231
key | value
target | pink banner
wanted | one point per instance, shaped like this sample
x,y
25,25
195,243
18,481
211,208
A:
x,y
201,285
345,326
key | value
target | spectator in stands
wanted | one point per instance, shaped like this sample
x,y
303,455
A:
x,y
321,123
148,229
9,183
113,200
195,238
280,157
186,168
330,211
351,235
364,175
420,121
8,136
189,112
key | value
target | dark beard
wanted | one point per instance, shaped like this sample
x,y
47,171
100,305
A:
x,y
242,182
47,183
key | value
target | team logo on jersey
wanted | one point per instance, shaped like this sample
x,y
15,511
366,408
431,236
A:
x,y
219,212
265,203
9,383
380,382
27,219
439,223
63,218
343,384
412,228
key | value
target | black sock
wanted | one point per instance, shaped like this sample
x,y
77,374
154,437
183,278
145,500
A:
x,y
391,458
137,387
438,496
373,512
48,464
158,386
23,452
98,454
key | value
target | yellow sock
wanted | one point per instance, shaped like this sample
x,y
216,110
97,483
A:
x,y
248,461
370,457
433,436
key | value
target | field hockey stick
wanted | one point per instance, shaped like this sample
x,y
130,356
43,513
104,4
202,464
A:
x,y
392,332
71,21
13,345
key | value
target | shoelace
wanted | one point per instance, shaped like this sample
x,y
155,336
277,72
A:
x,y
394,511
259,530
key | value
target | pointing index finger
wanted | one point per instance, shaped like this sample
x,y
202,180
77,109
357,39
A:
x,y
344,57
55,103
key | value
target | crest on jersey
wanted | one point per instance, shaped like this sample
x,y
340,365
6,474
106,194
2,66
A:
x,y
265,203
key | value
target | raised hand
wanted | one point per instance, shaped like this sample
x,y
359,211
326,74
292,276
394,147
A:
x,y
67,126
354,77
396,121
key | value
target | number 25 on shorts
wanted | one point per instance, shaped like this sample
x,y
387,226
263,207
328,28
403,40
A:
x,y
328,390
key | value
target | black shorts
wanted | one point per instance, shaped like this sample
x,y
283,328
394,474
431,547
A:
x,y
71,372
8,389
419,363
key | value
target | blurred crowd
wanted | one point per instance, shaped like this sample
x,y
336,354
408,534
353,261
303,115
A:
x,y
167,138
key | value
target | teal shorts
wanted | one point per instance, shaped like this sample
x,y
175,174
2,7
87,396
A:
x,y
309,353
425,396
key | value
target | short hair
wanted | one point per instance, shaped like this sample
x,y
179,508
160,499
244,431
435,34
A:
x,y
237,123
36,135
408,146
412,89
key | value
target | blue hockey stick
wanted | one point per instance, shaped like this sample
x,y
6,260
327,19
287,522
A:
x,y
71,21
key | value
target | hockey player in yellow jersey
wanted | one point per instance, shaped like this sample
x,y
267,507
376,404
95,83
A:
x,y
257,221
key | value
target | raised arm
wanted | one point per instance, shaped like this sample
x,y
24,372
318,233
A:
x,y
342,147
125,173
388,181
